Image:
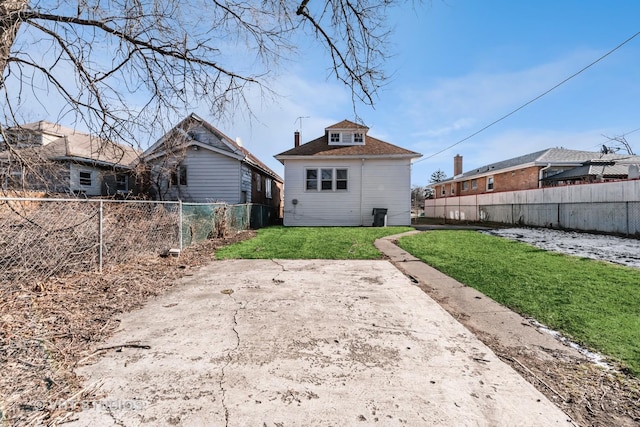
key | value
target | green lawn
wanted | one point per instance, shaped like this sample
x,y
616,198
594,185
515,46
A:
x,y
595,303
311,243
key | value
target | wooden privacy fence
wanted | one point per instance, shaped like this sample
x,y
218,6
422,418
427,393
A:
x,y
604,207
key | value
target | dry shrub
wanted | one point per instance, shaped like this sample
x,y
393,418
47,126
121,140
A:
x,y
48,326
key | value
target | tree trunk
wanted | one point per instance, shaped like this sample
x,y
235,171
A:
x,y
9,25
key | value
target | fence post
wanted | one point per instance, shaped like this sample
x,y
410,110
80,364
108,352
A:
x,y
100,243
180,224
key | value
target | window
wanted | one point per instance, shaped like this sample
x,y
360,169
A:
x,y
179,175
122,182
335,137
326,179
474,184
489,183
358,137
85,178
267,187
444,191
258,181
453,188
341,179
465,185
312,179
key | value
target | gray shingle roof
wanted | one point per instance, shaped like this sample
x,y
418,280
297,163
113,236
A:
x,y
554,156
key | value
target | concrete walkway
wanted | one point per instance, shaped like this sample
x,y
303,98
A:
x,y
304,343
480,312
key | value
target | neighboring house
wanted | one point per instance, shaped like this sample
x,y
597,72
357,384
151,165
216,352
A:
x,y
195,162
342,176
534,170
44,156
595,171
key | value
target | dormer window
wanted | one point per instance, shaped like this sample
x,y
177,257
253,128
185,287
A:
x,y
346,137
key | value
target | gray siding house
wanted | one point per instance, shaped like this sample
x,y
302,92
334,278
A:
x,y
195,162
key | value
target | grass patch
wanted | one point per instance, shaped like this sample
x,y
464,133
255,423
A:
x,y
595,303
311,243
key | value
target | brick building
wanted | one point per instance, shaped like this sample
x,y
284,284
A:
x,y
519,173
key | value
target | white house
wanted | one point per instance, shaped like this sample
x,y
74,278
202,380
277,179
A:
x,y
339,178
195,162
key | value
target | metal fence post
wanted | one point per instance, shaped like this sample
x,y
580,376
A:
x,y
180,223
101,241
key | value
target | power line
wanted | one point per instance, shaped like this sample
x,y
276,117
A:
x,y
532,100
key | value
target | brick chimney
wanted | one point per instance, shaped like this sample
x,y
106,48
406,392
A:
x,y
296,139
457,165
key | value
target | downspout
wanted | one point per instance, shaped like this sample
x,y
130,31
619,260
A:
x,y
361,186
540,173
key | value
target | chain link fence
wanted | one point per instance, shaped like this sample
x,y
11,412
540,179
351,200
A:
x,y
40,238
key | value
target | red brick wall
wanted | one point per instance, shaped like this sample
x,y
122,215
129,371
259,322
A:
x,y
521,179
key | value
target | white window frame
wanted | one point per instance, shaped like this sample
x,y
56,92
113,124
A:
x,y
346,138
267,187
321,178
178,176
453,188
444,190
490,183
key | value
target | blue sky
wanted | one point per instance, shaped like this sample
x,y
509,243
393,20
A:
x,y
457,66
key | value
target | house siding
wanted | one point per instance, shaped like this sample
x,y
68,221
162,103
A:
x,y
95,189
245,185
211,177
372,184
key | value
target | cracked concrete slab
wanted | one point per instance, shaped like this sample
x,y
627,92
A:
x,y
305,343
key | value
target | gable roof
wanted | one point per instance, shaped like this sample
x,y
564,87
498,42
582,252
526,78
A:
x,y
182,135
320,147
78,146
550,156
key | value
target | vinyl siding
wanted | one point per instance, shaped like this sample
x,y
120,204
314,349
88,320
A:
x,y
211,177
386,184
96,180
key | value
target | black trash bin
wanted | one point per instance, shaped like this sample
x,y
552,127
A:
x,y
379,214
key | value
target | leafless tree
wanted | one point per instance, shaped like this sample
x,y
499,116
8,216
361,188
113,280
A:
x,y
617,143
121,65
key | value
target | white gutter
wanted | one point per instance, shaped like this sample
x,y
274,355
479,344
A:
x,y
540,173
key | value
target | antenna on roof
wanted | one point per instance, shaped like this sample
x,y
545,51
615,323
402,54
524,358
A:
x,y
300,120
